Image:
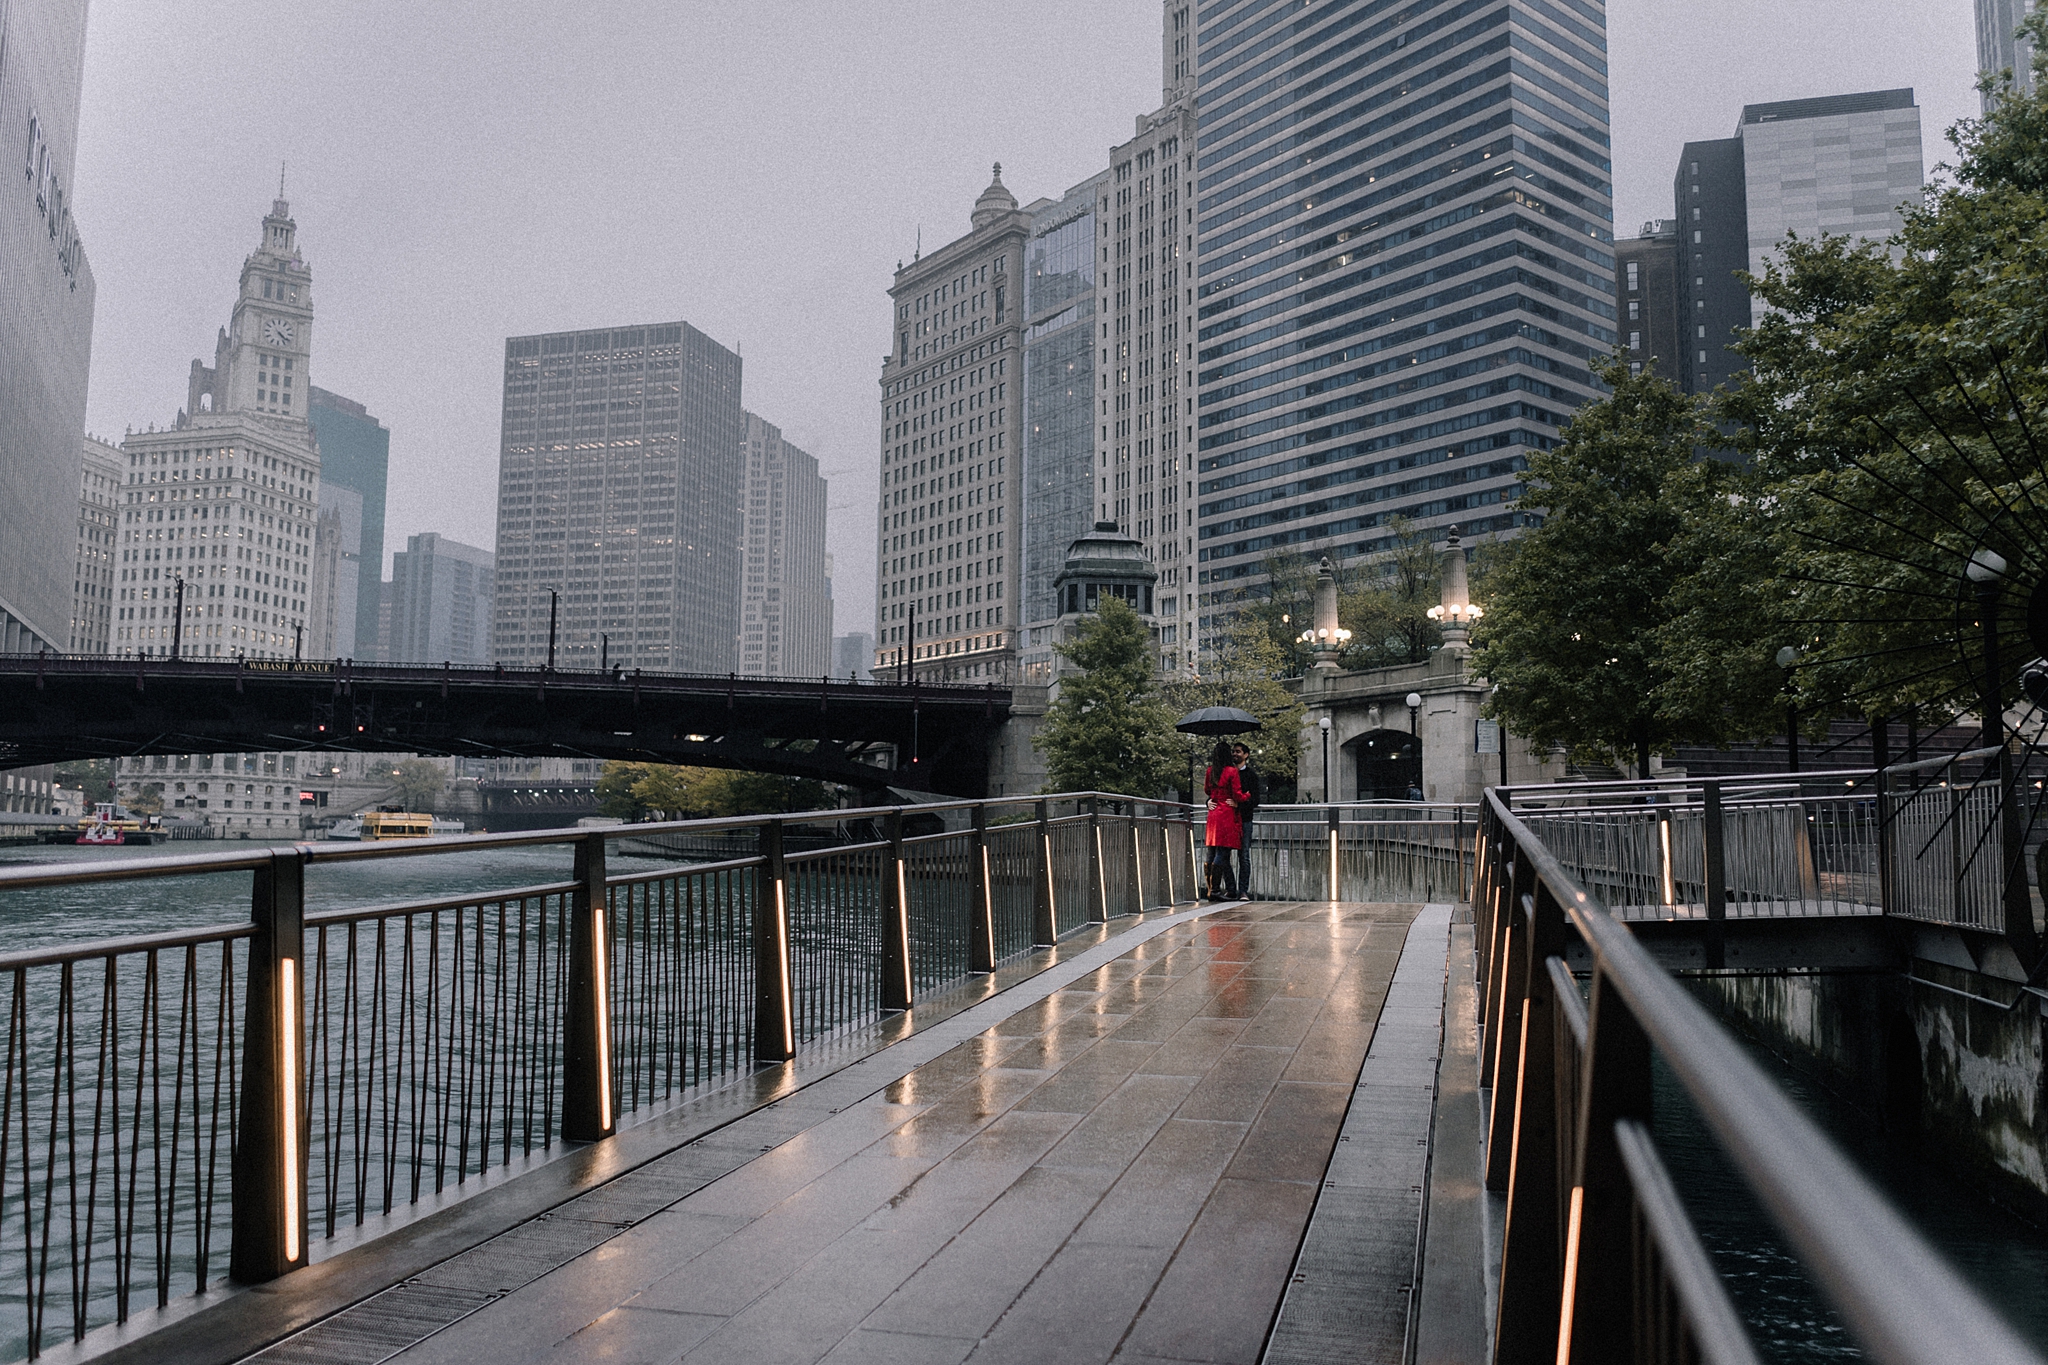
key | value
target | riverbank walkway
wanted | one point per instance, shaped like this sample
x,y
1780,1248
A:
x,y
1201,1135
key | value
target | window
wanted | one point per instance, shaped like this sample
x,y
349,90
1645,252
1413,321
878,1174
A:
x,y
1635,278
1635,341
1635,310
1703,331
1695,236
1635,367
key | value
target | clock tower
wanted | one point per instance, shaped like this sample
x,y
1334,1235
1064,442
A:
x,y
261,359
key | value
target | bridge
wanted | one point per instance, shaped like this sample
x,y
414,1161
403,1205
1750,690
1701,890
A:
x,y
930,738
1002,1090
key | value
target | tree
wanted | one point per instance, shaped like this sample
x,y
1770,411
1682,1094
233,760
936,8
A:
x,y
92,776
1889,406
1109,731
615,795
666,791
1246,674
1386,604
1570,636
419,782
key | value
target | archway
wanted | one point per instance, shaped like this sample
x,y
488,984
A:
x,y
1388,763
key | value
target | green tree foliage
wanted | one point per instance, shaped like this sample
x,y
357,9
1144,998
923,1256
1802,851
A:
x,y
1893,406
1246,673
419,782
1575,610
663,791
1108,731
1385,602
93,776
148,801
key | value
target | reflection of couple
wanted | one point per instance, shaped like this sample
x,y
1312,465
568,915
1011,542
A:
x,y
1232,788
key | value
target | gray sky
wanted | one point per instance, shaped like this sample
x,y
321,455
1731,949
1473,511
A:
x,y
462,172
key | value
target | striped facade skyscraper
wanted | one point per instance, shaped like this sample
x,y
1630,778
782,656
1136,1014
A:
x,y
1404,237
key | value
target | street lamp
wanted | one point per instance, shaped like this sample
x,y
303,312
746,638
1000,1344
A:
x,y
1414,700
1323,724
554,602
1788,659
178,626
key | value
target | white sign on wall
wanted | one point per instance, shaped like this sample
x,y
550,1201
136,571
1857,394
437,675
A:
x,y
1486,737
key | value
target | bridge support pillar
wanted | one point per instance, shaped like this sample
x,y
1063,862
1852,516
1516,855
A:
x,y
268,1212
896,980
774,1021
587,1034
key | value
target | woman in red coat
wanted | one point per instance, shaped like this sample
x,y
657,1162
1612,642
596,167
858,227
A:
x,y
1225,830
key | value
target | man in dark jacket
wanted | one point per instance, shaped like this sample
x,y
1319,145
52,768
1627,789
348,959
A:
x,y
1254,784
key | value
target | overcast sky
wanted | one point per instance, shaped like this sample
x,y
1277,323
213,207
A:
x,y
464,172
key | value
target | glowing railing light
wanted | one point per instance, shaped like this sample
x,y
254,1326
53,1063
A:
x,y
288,1027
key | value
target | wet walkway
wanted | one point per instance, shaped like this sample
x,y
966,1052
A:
x,y
1114,1160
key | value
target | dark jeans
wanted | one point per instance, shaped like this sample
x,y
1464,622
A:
x,y
1244,864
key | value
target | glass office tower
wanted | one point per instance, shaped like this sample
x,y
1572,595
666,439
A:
x,y
1405,264
1059,388
619,480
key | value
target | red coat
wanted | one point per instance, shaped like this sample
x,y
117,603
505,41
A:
x,y
1226,824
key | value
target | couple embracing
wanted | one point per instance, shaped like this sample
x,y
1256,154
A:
x,y
1234,789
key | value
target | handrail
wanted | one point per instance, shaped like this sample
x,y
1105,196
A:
x,y
1898,1297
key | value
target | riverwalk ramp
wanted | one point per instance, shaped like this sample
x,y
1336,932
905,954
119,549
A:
x,y
1200,1135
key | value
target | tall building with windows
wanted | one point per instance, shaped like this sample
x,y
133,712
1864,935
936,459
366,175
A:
x,y
1646,300
1145,301
951,481
224,499
785,584
331,616
1403,230
355,458
1997,47
1059,370
619,482
92,580
1841,164
440,601
46,302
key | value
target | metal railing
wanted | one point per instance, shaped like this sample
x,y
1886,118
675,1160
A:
x,y
1599,1260
1364,851
181,1106
1930,841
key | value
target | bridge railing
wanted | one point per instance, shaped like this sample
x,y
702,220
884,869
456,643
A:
x,y
221,1101
1600,1260
1925,841
1364,851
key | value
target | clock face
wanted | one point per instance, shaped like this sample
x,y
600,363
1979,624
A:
x,y
277,331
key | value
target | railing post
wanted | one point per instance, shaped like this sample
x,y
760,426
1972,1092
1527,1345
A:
x,y
896,984
1504,1040
774,1024
1887,890
1530,1280
1136,905
1044,919
1098,866
981,928
269,1199
1458,854
587,1032
1600,1312
1333,852
1715,844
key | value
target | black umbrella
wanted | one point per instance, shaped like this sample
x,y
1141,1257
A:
x,y
1217,720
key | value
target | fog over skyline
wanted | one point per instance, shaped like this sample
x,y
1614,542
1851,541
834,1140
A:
x,y
465,172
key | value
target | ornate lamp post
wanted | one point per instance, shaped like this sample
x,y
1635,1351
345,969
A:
x,y
1788,659
1455,612
1325,637
1324,725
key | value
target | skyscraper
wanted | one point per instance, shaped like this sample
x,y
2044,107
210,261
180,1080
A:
x,y
1059,368
948,575
1405,270
1841,164
1646,300
1145,349
46,301
92,580
355,455
785,591
619,482
1997,48
332,614
440,602
224,498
